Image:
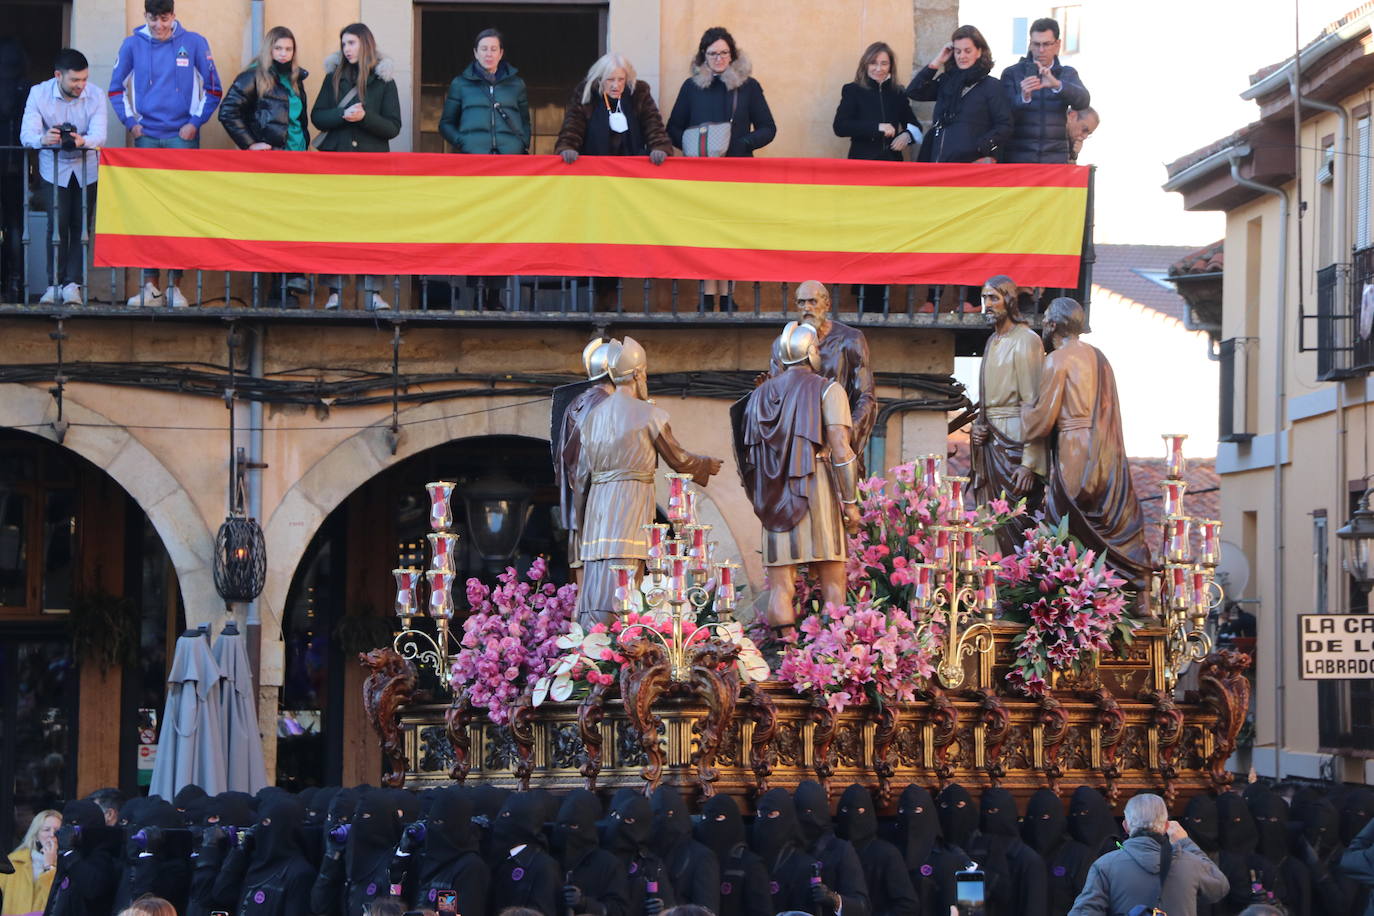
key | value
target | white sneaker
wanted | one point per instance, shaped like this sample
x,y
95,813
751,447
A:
x,y
332,303
148,296
175,299
71,294
377,304
50,295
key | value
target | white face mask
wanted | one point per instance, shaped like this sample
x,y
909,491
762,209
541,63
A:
x,y
619,124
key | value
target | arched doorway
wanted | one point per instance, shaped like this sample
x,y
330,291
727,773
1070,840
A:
x,y
81,569
339,601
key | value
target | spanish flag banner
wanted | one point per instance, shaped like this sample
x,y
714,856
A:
x,y
746,219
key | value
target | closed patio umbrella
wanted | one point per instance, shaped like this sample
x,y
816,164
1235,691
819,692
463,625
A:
x,y
190,750
244,770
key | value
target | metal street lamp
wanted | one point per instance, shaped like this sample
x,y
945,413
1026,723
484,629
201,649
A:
x,y
497,510
1357,542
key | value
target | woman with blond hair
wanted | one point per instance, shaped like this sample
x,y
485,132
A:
x,y
148,905
34,861
359,110
266,109
612,113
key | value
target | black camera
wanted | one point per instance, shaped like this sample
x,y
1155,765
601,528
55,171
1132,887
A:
x,y
67,132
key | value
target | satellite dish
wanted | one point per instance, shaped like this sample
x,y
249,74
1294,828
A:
x,y
1233,572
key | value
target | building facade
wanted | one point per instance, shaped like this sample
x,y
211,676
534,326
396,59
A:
x,y
1295,386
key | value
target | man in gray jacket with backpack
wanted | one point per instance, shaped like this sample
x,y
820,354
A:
x,y
1158,868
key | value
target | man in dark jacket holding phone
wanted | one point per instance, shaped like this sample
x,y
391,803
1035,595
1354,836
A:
x,y
1041,91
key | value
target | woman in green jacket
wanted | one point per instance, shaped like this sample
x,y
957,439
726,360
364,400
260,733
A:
x,y
359,111
487,110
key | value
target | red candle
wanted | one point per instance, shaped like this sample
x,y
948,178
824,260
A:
x,y
929,467
1211,542
968,548
1179,546
1178,585
725,577
1173,496
691,507
440,517
941,543
1173,449
677,498
1200,599
698,552
922,582
956,493
677,581
407,580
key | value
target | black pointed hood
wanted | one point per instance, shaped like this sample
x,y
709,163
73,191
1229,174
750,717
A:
x,y
722,828
1320,823
1091,821
1236,829
918,825
519,823
1200,820
997,814
1271,821
813,812
376,830
1356,809
84,814
856,820
277,837
775,827
958,816
450,833
1044,827
672,823
574,827
631,825
231,809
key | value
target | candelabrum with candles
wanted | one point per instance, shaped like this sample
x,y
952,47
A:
x,y
957,590
437,583
1186,590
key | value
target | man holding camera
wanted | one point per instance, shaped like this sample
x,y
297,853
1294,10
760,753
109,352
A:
x,y
1042,91
64,117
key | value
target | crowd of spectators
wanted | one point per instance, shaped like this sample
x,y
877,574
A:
x,y
482,850
165,88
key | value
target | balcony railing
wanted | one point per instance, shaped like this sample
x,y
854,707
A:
x,y
116,292
1334,326
1361,303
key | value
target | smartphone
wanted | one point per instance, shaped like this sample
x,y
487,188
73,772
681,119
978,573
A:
x,y
219,913
968,892
446,902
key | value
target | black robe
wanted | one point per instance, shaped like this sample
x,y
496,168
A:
x,y
1294,887
448,859
743,878
890,892
530,877
931,861
279,876
1200,820
1239,861
326,895
596,874
1093,832
627,838
1026,890
776,839
157,856
692,867
87,869
840,867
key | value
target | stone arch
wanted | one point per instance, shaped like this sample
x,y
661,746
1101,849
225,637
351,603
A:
x,y
356,460
109,446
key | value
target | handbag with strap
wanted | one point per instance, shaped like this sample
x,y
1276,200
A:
x,y
344,103
712,138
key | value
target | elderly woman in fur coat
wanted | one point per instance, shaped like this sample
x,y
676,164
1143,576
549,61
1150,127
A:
x,y
721,89
612,113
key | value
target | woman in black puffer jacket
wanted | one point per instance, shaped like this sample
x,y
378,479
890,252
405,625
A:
x,y
874,113
972,115
266,108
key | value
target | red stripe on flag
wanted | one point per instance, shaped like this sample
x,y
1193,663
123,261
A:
x,y
584,260
843,172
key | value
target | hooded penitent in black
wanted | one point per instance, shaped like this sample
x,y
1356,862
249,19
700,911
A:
x,y
777,840
1239,861
959,824
327,894
222,814
1271,820
1199,818
190,802
890,892
631,823
743,878
157,855
1093,832
87,868
931,860
526,875
486,804
447,858
1026,889
594,881
841,872
1356,810
279,876
1045,829
692,867
1317,845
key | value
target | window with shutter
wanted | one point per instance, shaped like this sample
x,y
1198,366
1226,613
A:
x,y
1362,184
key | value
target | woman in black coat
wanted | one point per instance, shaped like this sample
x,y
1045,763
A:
x,y
721,88
972,115
874,112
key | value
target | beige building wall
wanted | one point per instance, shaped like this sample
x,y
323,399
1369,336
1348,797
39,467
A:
x,y
1319,441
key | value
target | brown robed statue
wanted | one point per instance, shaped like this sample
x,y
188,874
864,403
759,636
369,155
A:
x,y
571,404
792,444
1004,462
621,439
844,359
1090,481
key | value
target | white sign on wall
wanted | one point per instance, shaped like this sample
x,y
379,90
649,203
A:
x,y
1335,647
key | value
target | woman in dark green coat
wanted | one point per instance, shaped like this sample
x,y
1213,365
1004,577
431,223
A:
x,y
359,111
486,110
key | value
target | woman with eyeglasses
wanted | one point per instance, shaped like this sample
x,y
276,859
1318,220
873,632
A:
x,y
721,90
972,115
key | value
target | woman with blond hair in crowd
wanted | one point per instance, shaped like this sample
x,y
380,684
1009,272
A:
x,y
612,113
265,109
34,861
148,905
359,111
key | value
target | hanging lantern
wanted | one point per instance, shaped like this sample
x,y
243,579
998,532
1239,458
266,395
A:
x,y
240,559
497,509
1357,542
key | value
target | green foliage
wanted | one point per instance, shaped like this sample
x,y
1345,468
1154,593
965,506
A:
x,y
105,629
